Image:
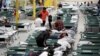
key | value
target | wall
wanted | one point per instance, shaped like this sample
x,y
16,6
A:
x,y
95,1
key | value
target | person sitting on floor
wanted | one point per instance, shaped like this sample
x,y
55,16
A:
x,y
59,25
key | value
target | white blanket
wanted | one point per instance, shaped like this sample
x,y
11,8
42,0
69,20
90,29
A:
x,y
44,54
58,53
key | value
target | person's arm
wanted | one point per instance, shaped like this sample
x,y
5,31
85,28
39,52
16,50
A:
x,y
47,13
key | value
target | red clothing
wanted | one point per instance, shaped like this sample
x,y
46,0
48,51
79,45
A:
x,y
44,14
59,25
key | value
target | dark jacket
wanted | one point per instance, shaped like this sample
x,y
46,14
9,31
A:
x,y
50,19
41,39
98,5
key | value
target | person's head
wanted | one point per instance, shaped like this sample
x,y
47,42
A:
x,y
81,4
84,2
88,4
59,5
39,3
91,2
44,9
4,5
58,18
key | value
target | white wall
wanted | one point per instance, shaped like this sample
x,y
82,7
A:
x,y
95,1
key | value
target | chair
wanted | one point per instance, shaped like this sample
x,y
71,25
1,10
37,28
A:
x,y
88,29
95,29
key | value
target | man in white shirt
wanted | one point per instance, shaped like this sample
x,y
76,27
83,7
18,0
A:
x,y
59,11
38,22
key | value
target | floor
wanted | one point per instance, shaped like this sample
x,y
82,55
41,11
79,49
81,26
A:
x,y
81,28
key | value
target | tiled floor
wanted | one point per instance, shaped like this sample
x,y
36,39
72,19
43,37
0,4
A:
x,y
81,25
